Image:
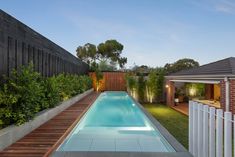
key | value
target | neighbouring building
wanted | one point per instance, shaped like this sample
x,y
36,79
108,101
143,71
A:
x,y
212,84
20,45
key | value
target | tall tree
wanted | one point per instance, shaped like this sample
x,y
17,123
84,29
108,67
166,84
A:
x,y
87,53
181,64
110,51
105,66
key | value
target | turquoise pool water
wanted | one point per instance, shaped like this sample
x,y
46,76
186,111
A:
x,y
115,123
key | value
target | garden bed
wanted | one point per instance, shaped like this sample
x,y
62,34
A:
x,y
13,133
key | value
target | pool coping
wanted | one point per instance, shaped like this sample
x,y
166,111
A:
x,y
178,147
180,150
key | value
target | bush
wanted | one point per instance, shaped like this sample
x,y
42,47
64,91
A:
x,y
25,93
131,84
70,85
52,96
141,88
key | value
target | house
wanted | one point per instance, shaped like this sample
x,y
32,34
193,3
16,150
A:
x,y
217,85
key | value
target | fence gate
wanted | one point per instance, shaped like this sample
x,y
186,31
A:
x,y
210,131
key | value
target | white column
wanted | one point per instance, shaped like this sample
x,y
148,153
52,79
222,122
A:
x,y
226,80
205,131
200,130
212,133
227,134
234,136
219,133
195,129
191,127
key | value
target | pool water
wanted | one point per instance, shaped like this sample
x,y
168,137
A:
x,y
115,123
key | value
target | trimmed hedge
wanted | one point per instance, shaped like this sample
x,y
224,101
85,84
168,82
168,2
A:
x,y
26,92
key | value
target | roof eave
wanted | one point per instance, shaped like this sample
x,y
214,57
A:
x,y
200,76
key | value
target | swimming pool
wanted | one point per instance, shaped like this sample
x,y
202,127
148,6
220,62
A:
x,y
115,123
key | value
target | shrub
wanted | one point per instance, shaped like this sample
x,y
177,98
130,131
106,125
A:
x,y
25,93
70,85
151,86
52,96
131,84
7,101
141,88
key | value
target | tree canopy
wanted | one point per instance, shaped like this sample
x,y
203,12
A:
x,y
181,64
108,52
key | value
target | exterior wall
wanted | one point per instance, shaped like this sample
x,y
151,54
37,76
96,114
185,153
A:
x,y
232,96
20,45
112,81
170,93
222,94
208,91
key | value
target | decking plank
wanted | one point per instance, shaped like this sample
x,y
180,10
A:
x,y
43,140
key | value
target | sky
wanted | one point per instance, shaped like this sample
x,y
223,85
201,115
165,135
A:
x,y
153,32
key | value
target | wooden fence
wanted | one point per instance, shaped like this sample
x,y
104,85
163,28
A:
x,y
112,81
210,131
20,45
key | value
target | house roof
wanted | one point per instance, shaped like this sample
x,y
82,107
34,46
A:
x,y
222,67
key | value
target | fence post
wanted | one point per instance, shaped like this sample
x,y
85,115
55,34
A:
x,y
227,134
219,133
195,128
212,133
205,131
191,127
200,130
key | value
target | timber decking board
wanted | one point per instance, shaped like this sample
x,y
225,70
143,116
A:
x,y
43,140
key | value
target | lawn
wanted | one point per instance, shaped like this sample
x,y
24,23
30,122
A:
x,y
175,122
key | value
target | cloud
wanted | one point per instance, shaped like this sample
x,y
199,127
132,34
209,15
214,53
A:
x,y
225,6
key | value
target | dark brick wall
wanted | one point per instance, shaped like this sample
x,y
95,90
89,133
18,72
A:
x,y
20,45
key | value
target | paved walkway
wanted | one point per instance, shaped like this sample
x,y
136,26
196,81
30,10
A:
x,y
182,107
46,138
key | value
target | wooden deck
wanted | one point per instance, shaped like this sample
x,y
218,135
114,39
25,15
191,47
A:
x,y
182,107
46,138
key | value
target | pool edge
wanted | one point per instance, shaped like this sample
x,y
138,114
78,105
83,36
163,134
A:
x,y
165,133
181,151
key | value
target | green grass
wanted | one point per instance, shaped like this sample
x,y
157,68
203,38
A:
x,y
175,122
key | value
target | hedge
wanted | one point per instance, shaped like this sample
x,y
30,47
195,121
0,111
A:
x,y
26,93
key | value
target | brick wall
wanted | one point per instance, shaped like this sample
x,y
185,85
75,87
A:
x,y
232,95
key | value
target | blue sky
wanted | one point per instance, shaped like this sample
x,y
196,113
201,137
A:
x,y
153,32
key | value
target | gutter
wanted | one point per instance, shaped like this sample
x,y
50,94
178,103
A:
x,y
201,76
197,81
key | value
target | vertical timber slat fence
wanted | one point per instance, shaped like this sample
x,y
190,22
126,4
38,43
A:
x,y
210,131
112,81
20,45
